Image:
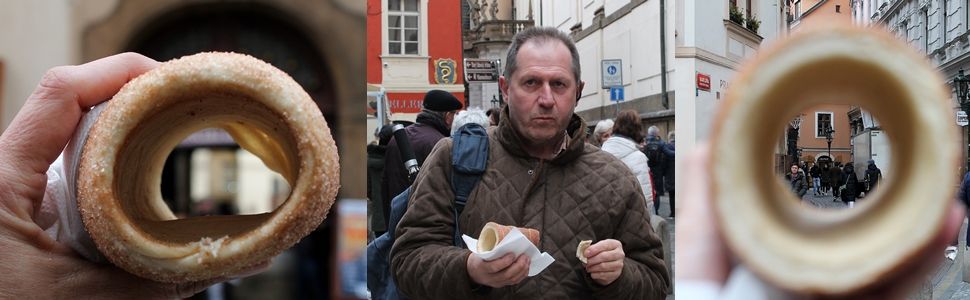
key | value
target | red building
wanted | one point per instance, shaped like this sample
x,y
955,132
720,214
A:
x,y
413,46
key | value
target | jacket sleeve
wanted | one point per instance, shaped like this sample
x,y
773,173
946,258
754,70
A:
x,y
646,181
644,274
424,263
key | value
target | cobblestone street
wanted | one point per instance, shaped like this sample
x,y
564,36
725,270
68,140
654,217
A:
x,y
946,283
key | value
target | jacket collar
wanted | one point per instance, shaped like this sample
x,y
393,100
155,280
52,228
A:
x,y
511,140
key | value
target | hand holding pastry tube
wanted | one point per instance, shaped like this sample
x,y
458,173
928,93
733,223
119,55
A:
x,y
510,269
32,141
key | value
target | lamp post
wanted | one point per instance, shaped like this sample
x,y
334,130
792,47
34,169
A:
x,y
962,85
828,139
494,101
793,151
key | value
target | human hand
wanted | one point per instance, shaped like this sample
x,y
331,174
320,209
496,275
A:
x,y
704,257
35,265
507,270
605,261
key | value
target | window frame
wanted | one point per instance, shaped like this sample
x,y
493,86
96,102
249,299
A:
x,y
402,28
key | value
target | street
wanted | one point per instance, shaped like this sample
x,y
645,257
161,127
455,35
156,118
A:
x,y
946,282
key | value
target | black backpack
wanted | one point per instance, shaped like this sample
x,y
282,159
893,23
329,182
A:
x,y
469,157
654,151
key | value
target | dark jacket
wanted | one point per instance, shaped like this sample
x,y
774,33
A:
x,y
815,172
799,184
378,209
656,159
582,194
423,136
873,175
835,177
851,191
668,167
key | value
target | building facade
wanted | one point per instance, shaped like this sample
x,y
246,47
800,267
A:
x,y
627,31
813,144
938,28
713,43
488,27
413,46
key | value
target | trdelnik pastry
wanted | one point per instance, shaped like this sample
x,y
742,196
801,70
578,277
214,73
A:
x,y
264,110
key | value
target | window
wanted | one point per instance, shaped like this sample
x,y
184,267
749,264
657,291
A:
x,y
926,32
797,9
823,121
402,27
838,8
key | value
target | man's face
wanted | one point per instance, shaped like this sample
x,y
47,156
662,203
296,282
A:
x,y
794,169
542,92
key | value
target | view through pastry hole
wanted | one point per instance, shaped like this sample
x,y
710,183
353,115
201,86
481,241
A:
x,y
208,173
833,156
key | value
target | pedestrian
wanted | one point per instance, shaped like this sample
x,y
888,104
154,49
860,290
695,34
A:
x,y
798,182
963,197
836,178
668,169
378,208
850,190
623,144
601,132
654,151
824,175
432,124
493,115
873,175
540,174
816,174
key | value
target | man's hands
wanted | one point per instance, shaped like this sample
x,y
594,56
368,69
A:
x,y
507,270
605,261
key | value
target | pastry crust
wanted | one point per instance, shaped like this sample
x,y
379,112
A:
x,y
834,253
265,111
493,233
581,250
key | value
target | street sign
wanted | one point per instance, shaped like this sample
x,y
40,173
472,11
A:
x,y
962,118
481,70
616,94
612,73
704,82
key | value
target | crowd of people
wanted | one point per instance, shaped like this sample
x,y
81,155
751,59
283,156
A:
x,y
838,180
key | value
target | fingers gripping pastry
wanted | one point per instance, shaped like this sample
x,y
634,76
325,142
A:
x,y
834,253
493,233
581,250
265,111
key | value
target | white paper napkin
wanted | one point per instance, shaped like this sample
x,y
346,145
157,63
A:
x,y
514,243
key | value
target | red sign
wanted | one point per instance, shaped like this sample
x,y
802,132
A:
x,y
704,82
411,102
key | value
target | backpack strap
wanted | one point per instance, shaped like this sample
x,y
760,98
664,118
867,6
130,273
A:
x,y
469,157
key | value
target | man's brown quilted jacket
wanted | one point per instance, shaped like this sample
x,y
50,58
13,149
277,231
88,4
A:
x,y
582,194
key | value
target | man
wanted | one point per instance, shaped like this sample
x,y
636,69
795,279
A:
x,y
654,150
873,175
669,168
431,125
816,174
799,185
542,175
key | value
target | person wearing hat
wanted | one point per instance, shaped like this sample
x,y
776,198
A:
x,y
433,123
